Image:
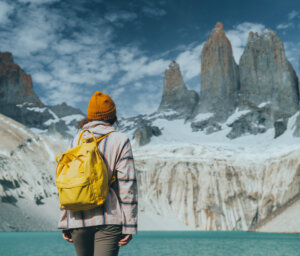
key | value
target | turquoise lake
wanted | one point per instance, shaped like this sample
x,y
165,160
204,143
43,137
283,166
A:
x,y
162,243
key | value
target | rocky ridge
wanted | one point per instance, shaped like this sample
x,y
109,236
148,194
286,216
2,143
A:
x,y
19,101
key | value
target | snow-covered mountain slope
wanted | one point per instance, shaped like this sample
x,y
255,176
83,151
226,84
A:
x,y
28,197
209,182
187,180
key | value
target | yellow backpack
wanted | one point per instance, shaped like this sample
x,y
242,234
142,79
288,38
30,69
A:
x,y
81,176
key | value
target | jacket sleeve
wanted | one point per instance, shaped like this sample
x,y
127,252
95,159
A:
x,y
63,219
127,189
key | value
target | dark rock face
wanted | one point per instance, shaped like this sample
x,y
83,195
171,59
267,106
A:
x,y
176,96
296,132
63,109
280,126
15,84
267,76
219,74
143,134
209,125
254,122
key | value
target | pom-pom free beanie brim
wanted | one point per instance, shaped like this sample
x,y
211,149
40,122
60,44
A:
x,y
101,107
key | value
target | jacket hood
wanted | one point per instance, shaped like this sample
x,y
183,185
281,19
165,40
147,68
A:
x,y
98,128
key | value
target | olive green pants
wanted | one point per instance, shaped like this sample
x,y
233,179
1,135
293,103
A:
x,y
97,241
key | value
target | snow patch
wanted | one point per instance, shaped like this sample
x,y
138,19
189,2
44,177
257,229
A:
x,y
236,115
70,118
37,109
38,131
52,121
263,104
203,116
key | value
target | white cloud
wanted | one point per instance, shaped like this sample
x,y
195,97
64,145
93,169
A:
x,y
65,92
118,17
67,46
31,35
189,62
293,14
141,67
60,64
292,52
41,77
238,37
285,25
145,103
151,11
138,85
117,92
38,1
5,11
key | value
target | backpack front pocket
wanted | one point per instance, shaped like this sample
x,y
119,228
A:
x,y
76,195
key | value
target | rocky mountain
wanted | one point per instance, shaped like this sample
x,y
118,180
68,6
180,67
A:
x,y
262,92
267,75
176,97
15,84
19,101
219,74
268,86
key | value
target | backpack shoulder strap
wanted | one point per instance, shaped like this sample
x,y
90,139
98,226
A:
x,y
101,138
80,138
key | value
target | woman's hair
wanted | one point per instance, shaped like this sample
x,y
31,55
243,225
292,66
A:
x,y
86,120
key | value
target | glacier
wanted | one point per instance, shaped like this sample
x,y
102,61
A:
x,y
209,182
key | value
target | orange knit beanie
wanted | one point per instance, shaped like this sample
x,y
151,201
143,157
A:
x,y
101,107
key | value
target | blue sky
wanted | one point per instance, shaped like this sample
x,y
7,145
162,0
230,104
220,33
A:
x,y
73,48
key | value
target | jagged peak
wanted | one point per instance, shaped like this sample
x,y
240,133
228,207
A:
x,y
267,34
174,65
253,34
219,28
173,75
6,58
253,37
269,31
217,35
